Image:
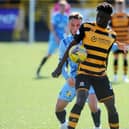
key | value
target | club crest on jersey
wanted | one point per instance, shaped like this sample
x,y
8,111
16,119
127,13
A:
x,y
93,39
68,94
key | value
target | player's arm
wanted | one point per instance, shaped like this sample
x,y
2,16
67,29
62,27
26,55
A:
x,y
62,49
58,69
65,73
122,46
76,40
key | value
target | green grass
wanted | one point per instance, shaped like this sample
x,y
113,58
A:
x,y
29,103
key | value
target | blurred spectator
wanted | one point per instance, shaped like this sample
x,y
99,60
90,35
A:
x,y
20,32
59,22
56,7
120,24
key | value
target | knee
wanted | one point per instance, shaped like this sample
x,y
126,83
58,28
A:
x,y
110,105
81,98
59,107
92,102
111,110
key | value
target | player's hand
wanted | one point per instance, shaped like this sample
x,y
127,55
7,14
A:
x,y
71,81
122,46
56,73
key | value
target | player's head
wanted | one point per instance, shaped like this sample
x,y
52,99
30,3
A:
x,y
104,11
75,20
120,5
110,1
62,4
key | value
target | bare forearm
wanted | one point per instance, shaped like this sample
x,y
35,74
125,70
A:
x,y
61,63
58,70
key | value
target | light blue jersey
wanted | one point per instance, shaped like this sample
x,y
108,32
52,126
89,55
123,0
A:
x,y
68,93
59,22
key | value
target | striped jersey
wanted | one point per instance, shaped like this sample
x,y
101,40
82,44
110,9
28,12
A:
x,y
120,24
98,42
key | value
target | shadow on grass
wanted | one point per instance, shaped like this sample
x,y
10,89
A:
x,y
116,83
41,77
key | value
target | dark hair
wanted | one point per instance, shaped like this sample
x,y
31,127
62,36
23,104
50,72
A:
x,y
75,15
110,1
105,7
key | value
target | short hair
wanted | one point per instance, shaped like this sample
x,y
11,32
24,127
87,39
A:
x,y
62,2
75,15
105,7
110,1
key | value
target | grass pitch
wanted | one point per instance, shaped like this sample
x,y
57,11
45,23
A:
x,y
29,103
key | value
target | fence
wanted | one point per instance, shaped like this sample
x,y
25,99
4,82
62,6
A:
x,y
14,18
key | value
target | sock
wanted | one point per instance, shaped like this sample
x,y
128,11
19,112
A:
x,y
61,116
41,64
44,61
125,66
115,66
74,116
114,121
96,117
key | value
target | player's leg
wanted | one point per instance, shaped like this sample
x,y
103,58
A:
x,y
82,93
51,49
115,66
93,105
66,95
61,113
113,117
125,67
104,93
77,108
43,61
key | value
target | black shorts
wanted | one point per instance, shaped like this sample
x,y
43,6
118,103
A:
x,y
101,85
119,51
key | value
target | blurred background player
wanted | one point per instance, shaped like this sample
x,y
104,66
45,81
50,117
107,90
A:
x,y
120,24
56,7
58,27
68,91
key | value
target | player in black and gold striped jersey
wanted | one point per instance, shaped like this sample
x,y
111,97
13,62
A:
x,y
98,40
120,24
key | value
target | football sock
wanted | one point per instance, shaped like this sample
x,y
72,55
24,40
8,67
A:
x,y
74,116
125,66
96,117
114,121
61,116
115,66
41,64
43,61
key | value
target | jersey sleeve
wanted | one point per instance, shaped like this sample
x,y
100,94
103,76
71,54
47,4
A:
x,y
53,19
65,71
62,49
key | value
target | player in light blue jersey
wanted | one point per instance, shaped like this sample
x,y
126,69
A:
x,y
68,91
58,27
